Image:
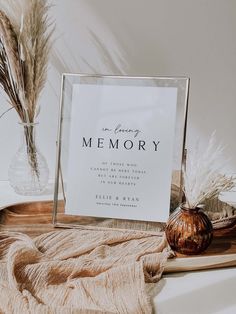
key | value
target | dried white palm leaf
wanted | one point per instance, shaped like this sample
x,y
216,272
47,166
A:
x,y
202,174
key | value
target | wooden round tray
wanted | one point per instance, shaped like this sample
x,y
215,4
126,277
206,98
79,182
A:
x,y
35,218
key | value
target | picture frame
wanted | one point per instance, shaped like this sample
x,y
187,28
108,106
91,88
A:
x,y
107,119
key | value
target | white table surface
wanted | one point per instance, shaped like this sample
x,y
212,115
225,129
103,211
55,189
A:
x,y
204,292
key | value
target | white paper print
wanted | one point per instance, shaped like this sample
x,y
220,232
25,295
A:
x,y
121,151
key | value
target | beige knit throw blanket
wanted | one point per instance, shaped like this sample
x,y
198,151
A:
x,y
79,271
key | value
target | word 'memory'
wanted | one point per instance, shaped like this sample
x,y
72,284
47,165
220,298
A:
x,y
117,143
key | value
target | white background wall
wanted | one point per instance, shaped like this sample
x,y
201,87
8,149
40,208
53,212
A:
x,y
142,37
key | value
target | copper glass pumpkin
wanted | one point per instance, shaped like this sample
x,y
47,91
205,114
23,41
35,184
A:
x,y
189,231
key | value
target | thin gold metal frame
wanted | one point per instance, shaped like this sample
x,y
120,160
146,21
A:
x,y
58,172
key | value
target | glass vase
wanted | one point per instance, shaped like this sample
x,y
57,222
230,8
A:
x,y
189,231
28,171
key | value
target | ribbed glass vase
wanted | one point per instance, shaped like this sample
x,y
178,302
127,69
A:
x,y
189,231
28,171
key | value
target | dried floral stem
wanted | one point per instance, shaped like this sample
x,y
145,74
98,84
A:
x,y
24,50
29,134
5,112
202,178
